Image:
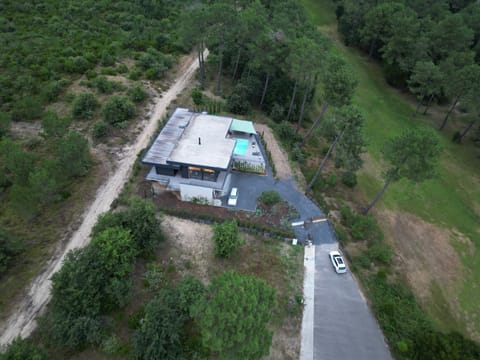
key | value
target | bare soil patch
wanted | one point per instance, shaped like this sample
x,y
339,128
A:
x,y
279,156
189,245
24,129
425,255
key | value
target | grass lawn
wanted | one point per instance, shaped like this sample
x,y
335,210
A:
x,y
452,200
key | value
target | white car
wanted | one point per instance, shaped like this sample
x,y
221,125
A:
x,y
337,262
233,197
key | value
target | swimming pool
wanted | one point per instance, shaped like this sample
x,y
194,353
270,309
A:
x,y
241,147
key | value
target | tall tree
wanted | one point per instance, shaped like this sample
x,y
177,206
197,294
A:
x,y
309,61
471,16
380,25
192,32
461,75
222,20
347,131
234,315
339,85
425,82
435,9
91,281
451,34
404,48
412,155
160,333
473,108
252,23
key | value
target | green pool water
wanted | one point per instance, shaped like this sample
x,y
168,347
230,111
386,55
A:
x,y
241,147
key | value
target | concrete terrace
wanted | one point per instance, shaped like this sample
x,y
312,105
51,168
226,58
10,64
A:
x,y
173,182
204,143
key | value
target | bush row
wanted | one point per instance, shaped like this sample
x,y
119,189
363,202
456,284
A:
x,y
269,155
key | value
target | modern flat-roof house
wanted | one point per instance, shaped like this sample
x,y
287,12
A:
x,y
195,152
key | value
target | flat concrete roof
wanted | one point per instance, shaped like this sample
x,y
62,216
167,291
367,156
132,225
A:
x,y
213,150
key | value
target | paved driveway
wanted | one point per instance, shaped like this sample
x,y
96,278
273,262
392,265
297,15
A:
x,y
344,327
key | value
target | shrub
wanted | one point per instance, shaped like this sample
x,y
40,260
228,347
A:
x,y
135,74
298,154
122,69
76,65
238,104
269,198
23,349
51,91
140,219
285,132
331,180
434,345
117,110
103,85
380,253
360,227
73,155
91,74
159,333
107,59
27,108
234,316
108,71
197,97
190,290
349,178
154,63
4,124
84,106
54,126
9,248
100,129
226,238
277,113
137,93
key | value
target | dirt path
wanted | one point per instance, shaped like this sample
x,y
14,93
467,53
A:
x,y
23,320
279,157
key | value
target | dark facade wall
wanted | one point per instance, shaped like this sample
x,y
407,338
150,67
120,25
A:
x,y
165,171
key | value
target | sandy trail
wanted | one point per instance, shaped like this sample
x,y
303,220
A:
x,y
23,320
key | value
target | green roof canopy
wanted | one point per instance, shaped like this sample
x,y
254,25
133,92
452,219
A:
x,y
242,126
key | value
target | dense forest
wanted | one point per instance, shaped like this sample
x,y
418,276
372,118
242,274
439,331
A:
x,y
431,48
265,58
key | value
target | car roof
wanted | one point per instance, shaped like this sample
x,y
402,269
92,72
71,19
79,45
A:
x,y
234,191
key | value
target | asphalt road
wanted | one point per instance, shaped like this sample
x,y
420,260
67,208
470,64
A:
x,y
344,327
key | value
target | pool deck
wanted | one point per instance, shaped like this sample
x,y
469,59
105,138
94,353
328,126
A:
x,y
253,153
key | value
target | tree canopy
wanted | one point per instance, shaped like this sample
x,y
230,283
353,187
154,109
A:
x,y
412,155
234,315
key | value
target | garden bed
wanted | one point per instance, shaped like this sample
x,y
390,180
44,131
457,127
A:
x,y
271,222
